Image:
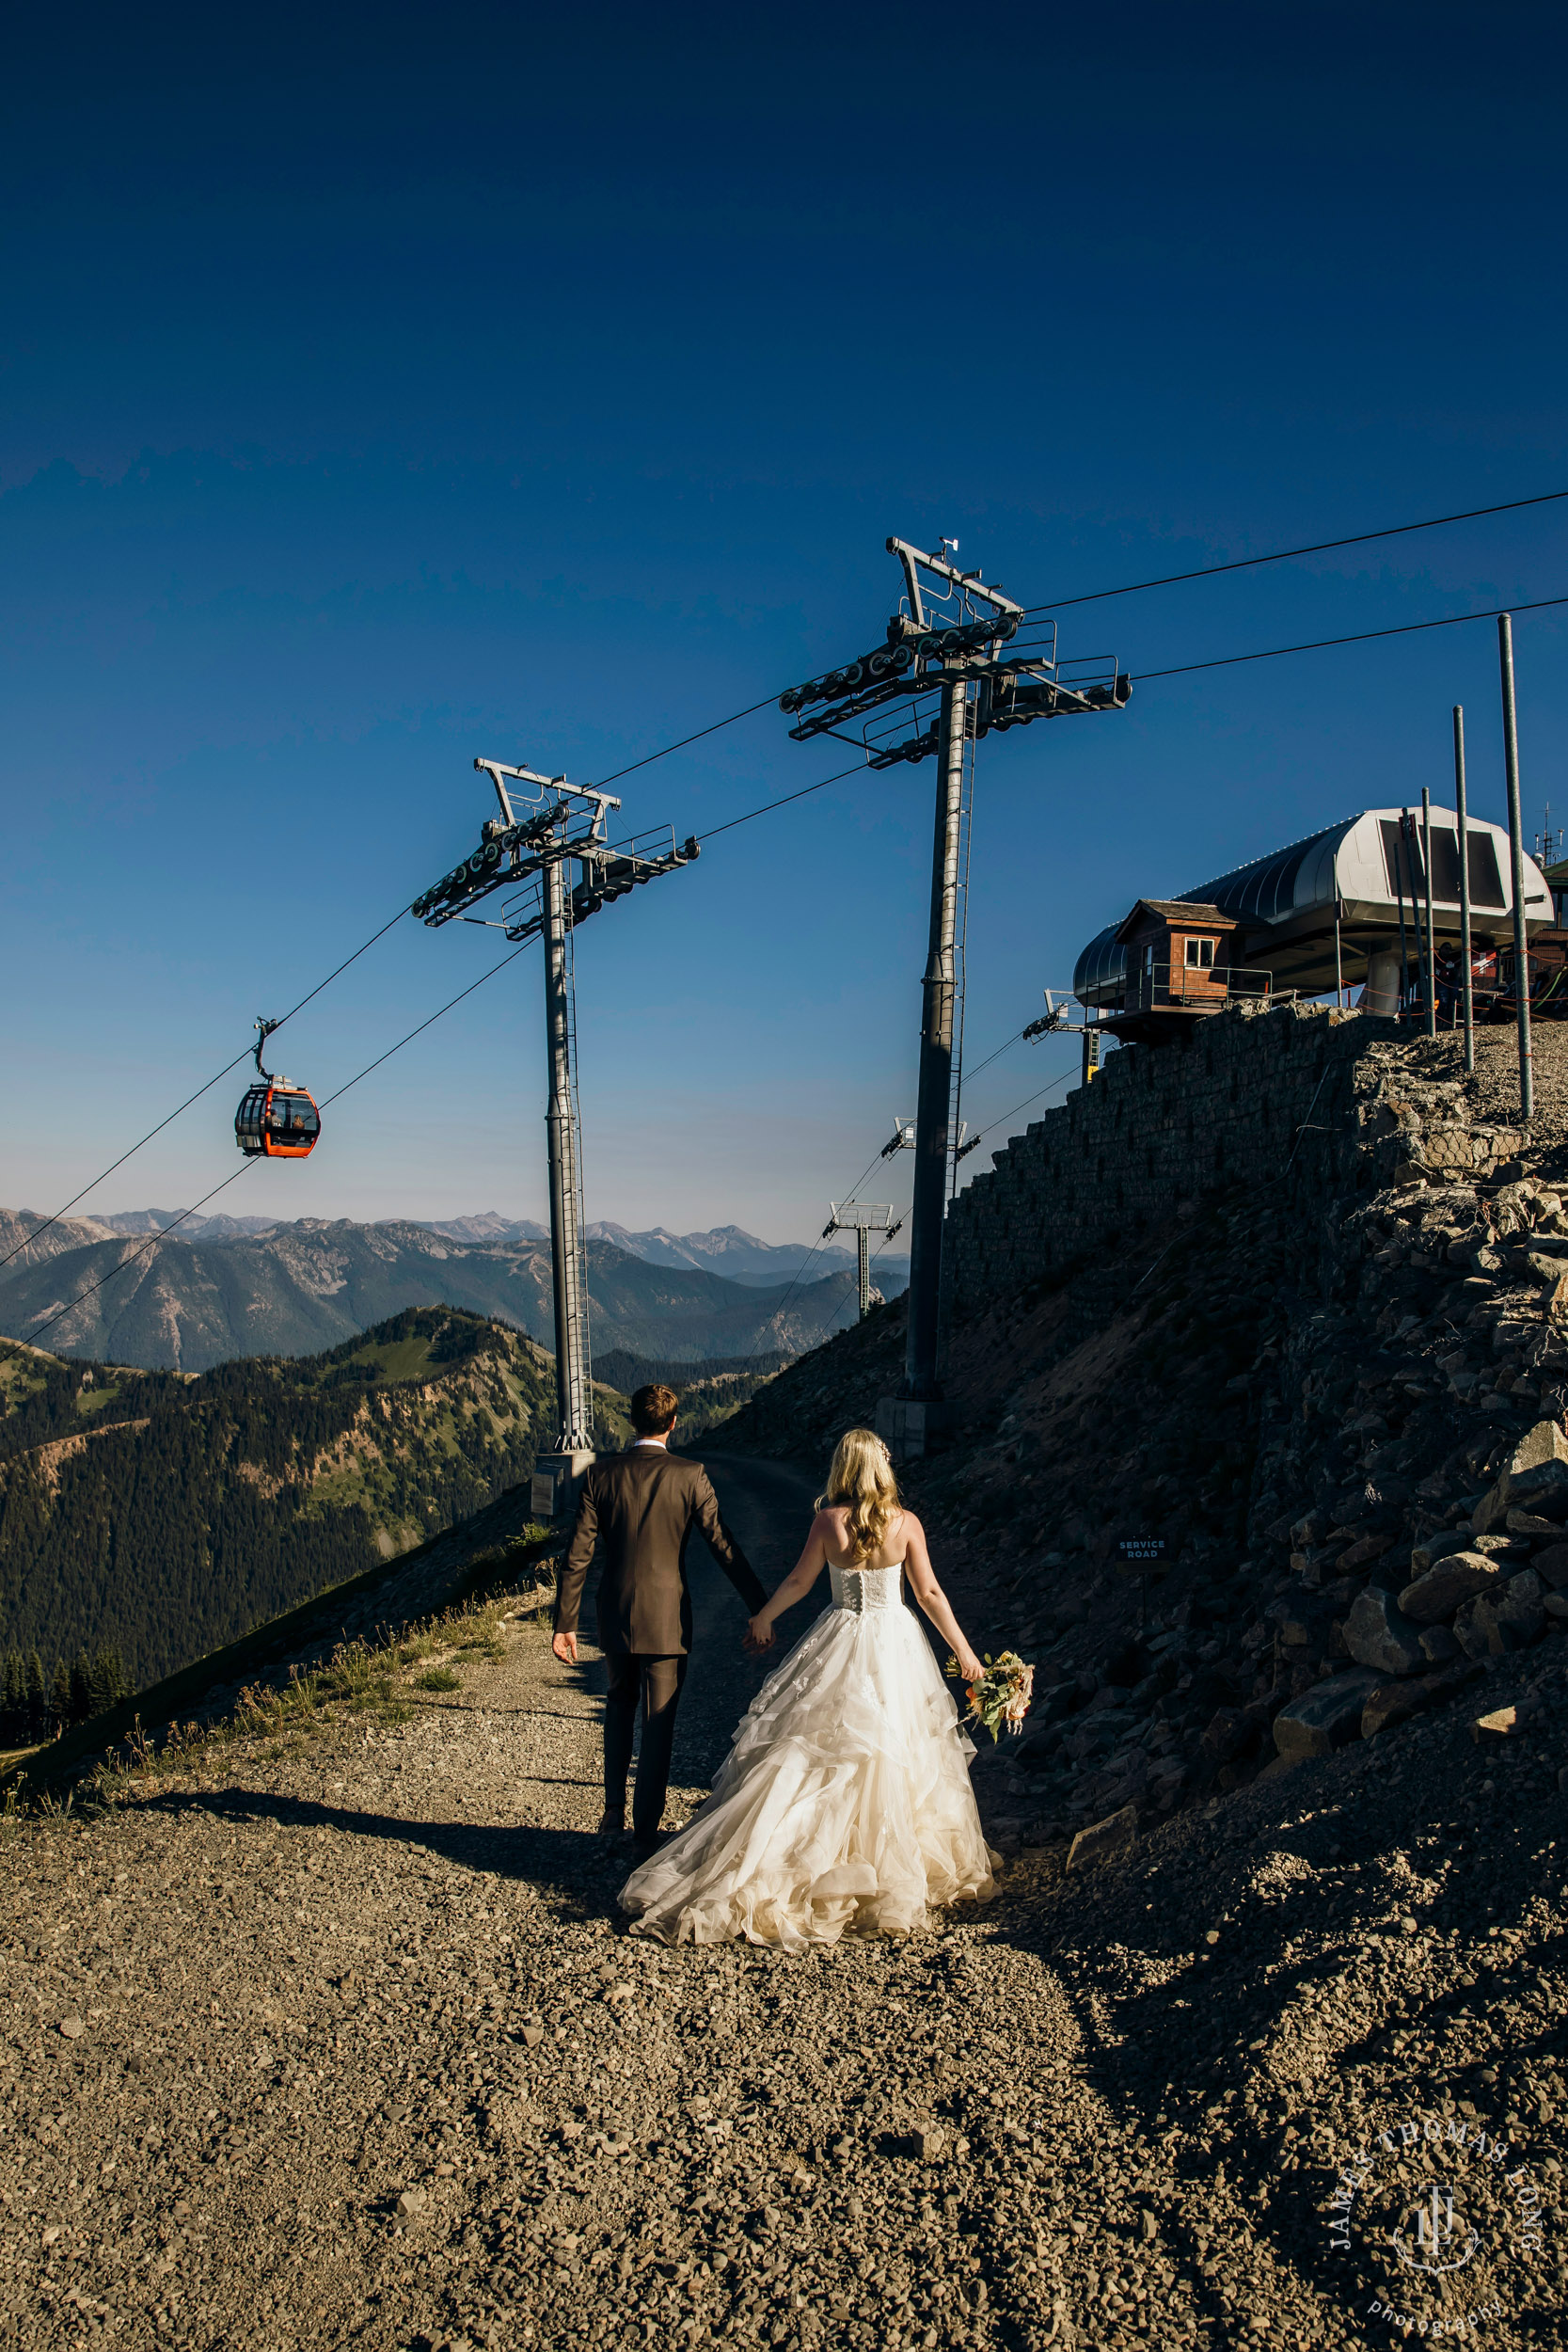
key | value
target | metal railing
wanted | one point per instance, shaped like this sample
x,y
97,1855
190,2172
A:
x,y
1193,988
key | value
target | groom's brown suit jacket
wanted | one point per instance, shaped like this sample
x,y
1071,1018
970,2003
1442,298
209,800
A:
x,y
644,1505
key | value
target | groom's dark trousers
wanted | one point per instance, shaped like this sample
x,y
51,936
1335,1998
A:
x,y
641,1507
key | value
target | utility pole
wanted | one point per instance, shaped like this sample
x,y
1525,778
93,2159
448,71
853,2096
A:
x,y
1431,951
1517,866
1464,888
863,1222
960,660
561,824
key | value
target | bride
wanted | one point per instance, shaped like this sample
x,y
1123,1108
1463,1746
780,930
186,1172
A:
x,y
844,1803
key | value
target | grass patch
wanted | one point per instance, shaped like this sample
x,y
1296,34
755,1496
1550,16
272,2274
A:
x,y
358,1680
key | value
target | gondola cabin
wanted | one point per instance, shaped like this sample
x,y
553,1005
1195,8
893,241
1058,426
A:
x,y
278,1121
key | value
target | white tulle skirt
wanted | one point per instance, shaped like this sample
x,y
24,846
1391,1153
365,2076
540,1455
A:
x,y
843,1805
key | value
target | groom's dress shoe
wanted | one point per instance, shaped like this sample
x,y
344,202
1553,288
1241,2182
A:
x,y
648,1842
613,1826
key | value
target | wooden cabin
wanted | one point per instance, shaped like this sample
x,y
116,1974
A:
x,y
1178,967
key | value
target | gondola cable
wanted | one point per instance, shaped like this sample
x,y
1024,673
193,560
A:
x,y
246,1164
1187,669
205,1088
1319,546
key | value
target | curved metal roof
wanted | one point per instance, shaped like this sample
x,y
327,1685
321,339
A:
x,y
1355,865
1099,975
1270,888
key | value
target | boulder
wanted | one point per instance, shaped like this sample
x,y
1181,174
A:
x,y
1427,1553
1458,1578
1551,1565
1102,1837
1521,1603
1365,1547
1380,1635
1543,1445
1325,1718
1496,1622
1394,1702
1534,1477
1232,1729
1543,1491
1438,1644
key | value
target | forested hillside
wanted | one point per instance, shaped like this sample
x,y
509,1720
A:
x,y
162,1514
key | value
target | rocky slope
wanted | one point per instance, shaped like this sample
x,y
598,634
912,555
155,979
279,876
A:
x,y
1346,1426
343,2044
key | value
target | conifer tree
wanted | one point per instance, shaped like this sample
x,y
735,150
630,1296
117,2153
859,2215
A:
x,y
15,1711
60,1706
38,1699
81,1686
106,1681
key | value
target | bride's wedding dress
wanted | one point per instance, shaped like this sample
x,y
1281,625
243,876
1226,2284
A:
x,y
844,1803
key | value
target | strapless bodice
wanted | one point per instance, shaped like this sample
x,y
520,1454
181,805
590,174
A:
x,y
861,1590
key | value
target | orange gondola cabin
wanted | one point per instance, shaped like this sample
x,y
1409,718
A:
x,y
276,1120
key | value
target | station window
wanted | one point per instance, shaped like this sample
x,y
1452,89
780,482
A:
x,y
1200,955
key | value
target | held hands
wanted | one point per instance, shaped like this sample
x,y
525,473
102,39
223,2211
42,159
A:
x,y
566,1647
759,1636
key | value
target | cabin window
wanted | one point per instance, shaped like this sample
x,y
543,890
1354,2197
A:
x,y
1200,955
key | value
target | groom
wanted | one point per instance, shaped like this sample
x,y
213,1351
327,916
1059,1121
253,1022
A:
x,y
644,1505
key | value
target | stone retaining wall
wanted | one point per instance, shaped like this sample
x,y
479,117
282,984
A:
x,y
1302,1100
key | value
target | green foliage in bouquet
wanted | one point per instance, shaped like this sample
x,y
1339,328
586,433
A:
x,y
1000,1699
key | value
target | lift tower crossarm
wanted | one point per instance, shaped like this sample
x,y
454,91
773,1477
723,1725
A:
x,y
497,771
566,823
855,1217
916,561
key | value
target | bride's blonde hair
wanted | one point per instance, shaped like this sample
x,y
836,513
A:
x,y
861,1481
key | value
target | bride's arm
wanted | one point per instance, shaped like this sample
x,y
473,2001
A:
x,y
933,1600
797,1584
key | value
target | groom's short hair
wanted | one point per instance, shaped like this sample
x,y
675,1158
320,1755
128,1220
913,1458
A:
x,y
654,1409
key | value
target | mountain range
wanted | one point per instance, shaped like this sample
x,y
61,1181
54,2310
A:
x,y
726,1250
291,1290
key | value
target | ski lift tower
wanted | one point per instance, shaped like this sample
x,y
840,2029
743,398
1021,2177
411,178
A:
x,y
959,659
855,1217
546,825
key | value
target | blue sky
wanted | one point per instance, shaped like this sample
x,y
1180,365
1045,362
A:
x,y
384,389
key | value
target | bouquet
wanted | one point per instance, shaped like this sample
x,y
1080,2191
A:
x,y
1001,1694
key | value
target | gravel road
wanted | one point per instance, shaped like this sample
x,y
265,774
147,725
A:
x,y
347,2046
